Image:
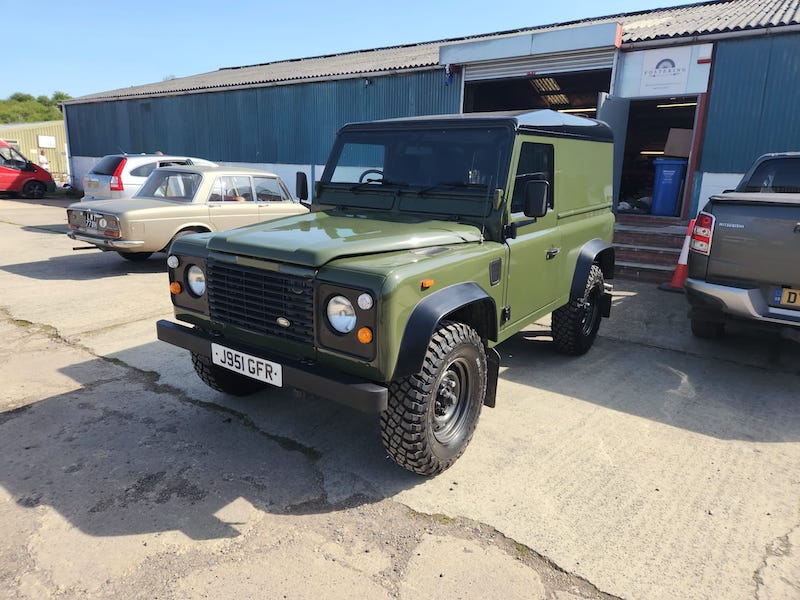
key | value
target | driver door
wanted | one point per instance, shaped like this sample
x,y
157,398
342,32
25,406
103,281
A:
x,y
535,262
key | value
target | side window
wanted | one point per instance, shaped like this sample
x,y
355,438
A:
x,y
144,170
232,188
535,163
268,189
8,159
216,190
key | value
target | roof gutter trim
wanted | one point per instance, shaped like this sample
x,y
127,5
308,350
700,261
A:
x,y
254,85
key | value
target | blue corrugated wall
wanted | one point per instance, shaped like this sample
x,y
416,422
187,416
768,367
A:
x,y
755,95
292,124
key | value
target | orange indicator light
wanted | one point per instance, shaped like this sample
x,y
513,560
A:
x,y
175,288
365,335
427,283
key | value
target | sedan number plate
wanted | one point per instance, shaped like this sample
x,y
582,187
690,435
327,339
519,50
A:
x,y
787,297
91,220
247,365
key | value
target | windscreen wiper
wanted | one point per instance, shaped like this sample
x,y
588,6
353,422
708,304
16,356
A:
x,y
450,184
372,182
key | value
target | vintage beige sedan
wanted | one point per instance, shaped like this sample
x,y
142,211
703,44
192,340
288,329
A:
x,y
178,200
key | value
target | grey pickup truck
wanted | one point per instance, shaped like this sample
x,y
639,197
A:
x,y
744,252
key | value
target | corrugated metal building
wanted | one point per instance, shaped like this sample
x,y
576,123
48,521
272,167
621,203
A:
x,y
722,74
50,136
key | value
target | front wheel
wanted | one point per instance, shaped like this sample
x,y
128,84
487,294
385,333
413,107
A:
x,y
224,380
575,324
432,414
34,189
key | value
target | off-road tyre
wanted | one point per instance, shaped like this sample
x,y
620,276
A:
x,y
135,256
432,414
707,330
34,189
575,325
224,380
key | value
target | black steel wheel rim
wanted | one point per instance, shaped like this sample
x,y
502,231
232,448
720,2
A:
x,y
451,401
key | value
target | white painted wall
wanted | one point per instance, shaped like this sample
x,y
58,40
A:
x,y
716,183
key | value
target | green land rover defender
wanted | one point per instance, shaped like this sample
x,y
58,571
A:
x,y
430,241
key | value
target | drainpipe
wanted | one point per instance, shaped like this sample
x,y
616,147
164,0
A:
x,y
697,147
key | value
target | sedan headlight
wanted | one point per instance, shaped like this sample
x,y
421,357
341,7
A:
x,y
341,314
196,280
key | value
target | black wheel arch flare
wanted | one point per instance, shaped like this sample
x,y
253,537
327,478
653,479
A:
x,y
597,252
430,311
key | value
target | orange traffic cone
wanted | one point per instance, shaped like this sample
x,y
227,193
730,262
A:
x,y
679,276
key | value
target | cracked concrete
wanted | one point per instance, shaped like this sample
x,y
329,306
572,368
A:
x,y
657,466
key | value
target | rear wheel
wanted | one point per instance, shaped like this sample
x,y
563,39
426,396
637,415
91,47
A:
x,y
34,189
224,380
709,330
135,256
432,415
575,324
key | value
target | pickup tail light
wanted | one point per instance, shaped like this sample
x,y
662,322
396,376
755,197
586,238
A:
x,y
702,233
116,178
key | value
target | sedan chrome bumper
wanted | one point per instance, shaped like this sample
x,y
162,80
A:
x,y
105,243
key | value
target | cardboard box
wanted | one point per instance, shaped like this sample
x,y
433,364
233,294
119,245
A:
x,y
679,143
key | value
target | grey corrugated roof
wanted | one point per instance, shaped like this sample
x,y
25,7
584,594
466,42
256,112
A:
x,y
718,17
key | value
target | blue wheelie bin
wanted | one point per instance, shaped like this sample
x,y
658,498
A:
x,y
670,173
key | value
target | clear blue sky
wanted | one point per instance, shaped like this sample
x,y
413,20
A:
x,y
85,46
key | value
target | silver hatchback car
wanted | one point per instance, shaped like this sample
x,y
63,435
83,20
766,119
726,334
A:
x,y
122,175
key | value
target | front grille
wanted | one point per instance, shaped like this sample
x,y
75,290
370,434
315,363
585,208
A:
x,y
255,299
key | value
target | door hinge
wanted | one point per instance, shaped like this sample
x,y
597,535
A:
x,y
505,314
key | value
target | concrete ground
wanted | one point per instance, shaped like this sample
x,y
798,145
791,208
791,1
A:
x,y
656,466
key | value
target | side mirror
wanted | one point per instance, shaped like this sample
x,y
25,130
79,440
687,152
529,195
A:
x,y
536,193
301,185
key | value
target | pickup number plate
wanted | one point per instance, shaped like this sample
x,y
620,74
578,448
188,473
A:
x,y
787,297
247,365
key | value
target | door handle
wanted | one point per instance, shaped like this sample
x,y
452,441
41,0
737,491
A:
x,y
552,252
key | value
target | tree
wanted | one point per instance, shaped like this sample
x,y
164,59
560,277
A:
x,y
24,108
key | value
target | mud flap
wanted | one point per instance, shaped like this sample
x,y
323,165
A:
x,y
605,300
492,373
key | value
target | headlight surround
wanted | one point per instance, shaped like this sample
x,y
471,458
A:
x,y
196,280
341,314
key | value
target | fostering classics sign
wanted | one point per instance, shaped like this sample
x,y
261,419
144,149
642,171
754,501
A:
x,y
665,71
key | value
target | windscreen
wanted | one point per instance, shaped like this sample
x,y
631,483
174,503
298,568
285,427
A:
x,y
421,163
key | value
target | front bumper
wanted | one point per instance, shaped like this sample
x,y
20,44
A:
x,y
748,304
350,391
106,243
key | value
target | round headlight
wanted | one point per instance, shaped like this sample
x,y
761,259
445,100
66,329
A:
x,y
173,261
365,301
341,314
196,280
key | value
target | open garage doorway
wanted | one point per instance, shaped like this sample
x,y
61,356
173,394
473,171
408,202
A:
x,y
574,92
659,136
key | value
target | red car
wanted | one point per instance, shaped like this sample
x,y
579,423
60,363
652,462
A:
x,y
19,175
